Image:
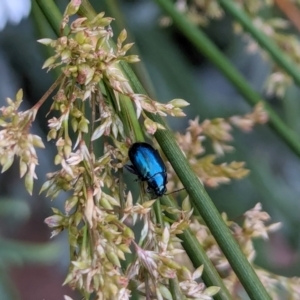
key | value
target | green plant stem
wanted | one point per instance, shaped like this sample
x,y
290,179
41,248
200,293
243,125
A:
x,y
211,216
199,257
52,13
175,289
87,10
173,282
265,42
208,49
115,10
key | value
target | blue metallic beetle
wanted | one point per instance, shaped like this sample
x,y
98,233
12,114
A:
x,y
148,166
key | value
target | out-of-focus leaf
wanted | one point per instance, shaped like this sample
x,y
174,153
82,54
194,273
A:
x,y
15,209
7,289
15,252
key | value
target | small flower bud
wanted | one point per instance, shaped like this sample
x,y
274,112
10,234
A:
x,y
89,207
52,134
170,263
122,36
73,240
124,248
87,48
211,291
72,7
112,257
65,54
45,41
29,183
37,141
132,59
80,37
83,125
179,103
68,279
70,203
165,292
57,159
74,124
8,162
113,289
128,233
184,274
19,96
103,22
23,168
151,126
50,61
105,203
67,151
78,218
186,204
54,221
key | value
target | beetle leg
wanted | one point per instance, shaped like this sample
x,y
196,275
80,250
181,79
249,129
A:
x,y
131,169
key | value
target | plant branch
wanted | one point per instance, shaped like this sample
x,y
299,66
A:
x,y
52,14
49,92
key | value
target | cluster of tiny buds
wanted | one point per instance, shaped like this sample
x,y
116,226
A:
x,y
17,141
88,57
218,132
254,225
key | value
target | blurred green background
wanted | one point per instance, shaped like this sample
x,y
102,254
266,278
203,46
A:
x,y
31,266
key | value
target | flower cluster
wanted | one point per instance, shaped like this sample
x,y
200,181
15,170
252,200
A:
x,y
218,132
16,139
87,57
199,12
253,226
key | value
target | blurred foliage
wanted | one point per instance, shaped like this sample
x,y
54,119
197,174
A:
x,y
13,252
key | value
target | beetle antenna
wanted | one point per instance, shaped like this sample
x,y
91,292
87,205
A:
x,y
175,191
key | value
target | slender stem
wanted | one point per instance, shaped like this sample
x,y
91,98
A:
x,y
52,14
199,257
211,216
49,92
173,282
158,214
207,48
140,70
87,10
175,289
